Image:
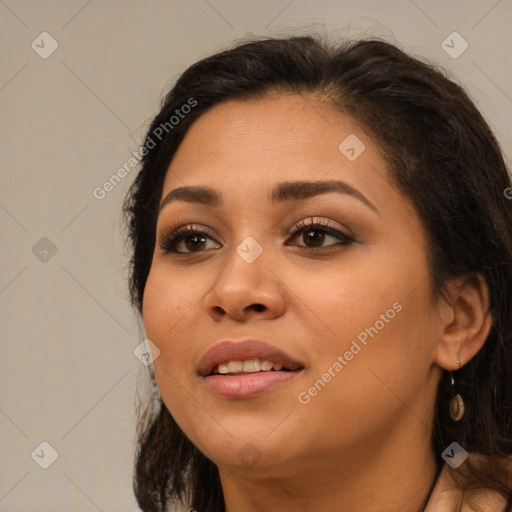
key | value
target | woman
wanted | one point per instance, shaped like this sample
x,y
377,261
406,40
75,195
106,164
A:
x,y
322,256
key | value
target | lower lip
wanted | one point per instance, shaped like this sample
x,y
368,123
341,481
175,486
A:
x,y
247,385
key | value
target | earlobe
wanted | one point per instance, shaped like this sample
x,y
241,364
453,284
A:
x,y
465,321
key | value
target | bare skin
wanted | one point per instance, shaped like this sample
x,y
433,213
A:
x,y
361,442
447,496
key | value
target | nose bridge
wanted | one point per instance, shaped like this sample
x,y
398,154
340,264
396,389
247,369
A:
x,y
250,250
246,283
249,229
248,260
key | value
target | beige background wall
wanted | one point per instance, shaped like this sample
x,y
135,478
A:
x,y
68,122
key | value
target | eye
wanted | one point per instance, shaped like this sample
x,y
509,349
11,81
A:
x,y
191,238
194,240
319,230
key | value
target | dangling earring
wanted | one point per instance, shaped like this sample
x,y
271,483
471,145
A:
x,y
456,403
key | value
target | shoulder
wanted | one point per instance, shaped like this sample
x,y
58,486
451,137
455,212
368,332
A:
x,y
447,496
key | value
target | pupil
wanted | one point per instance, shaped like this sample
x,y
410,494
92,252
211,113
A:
x,y
194,244
317,240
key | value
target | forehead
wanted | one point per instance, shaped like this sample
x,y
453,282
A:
x,y
281,136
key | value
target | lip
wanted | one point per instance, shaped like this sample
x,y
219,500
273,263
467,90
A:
x,y
246,385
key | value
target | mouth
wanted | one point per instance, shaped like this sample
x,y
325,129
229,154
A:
x,y
231,368
246,369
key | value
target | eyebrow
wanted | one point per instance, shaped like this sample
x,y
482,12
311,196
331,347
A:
x,y
282,192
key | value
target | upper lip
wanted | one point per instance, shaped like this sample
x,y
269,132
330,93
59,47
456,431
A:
x,y
227,350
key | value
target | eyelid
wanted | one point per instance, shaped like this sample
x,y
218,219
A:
x,y
170,237
317,221
344,239
166,234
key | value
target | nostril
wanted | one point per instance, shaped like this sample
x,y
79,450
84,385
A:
x,y
259,307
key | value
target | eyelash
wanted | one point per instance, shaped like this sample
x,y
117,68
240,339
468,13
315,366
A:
x,y
170,240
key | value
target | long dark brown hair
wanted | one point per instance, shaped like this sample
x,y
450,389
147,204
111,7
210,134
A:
x,y
443,157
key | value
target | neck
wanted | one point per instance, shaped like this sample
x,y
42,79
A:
x,y
374,479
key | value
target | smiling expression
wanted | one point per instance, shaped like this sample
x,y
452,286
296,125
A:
x,y
284,239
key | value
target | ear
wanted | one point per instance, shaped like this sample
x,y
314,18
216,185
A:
x,y
465,321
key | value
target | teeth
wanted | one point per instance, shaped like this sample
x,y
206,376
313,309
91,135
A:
x,y
223,368
249,366
266,365
235,366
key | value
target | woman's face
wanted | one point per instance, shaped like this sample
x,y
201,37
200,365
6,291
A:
x,y
347,312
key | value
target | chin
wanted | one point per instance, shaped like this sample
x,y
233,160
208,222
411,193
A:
x,y
242,446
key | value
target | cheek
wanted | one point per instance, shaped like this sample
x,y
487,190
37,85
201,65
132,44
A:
x,y
156,306
171,307
164,308
378,322
167,300
341,301
377,381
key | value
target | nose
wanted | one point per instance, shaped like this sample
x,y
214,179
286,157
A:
x,y
243,290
